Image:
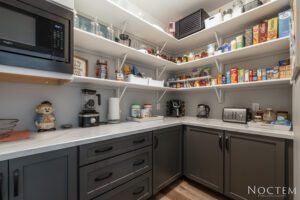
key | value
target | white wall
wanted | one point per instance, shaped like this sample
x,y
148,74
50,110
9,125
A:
x,y
296,123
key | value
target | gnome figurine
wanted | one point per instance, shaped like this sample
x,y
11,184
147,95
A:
x,y
45,119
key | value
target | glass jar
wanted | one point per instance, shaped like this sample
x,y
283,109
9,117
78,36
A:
x,y
135,110
269,115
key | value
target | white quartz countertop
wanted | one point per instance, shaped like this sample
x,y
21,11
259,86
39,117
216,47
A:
x,y
50,141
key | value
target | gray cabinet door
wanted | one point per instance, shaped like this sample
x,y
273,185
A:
x,y
4,180
203,156
253,161
45,176
167,157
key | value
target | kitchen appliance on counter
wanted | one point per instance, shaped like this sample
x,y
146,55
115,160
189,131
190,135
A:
x,y
36,34
191,24
203,111
89,117
236,115
175,108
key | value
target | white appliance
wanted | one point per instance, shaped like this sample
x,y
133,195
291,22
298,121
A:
x,y
114,110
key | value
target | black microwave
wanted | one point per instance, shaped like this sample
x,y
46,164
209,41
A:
x,y
36,34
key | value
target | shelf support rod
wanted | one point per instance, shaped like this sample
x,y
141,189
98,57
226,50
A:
x,y
123,61
123,92
161,96
218,39
162,72
219,66
125,23
163,47
220,94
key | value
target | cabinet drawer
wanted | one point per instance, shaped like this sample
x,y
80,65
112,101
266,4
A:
x,y
100,177
138,189
102,150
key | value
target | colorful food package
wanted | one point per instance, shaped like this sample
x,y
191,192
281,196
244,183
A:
x,y
276,72
234,75
284,23
224,80
240,41
228,77
282,71
214,81
273,28
247,75
259,74
254,78
264,74
263,31
269,73
251,75
241,75
288,71
255,35
219,79
248,37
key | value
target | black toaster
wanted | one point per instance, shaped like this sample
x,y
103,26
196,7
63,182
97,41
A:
x,y
236,115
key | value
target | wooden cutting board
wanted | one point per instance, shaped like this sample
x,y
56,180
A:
x,y
15,135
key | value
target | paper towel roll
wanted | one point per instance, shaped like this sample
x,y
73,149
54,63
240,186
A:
x,y
114,109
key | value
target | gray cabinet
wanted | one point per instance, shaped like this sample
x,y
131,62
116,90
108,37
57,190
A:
x,y
203,156
45,176
167,157
253,161
4,180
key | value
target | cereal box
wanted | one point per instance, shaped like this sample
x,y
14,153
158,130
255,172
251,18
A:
x,y
276,72
263,31
273,28
234,75
255,34
248,37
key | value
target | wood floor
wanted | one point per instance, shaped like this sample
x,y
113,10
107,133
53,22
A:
x,y
186,190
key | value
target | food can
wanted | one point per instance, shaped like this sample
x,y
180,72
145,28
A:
x,y
234,75
251,75
259,74
246,75
254,78
241,75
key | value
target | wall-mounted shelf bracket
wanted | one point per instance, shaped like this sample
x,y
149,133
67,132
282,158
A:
x,y
218,39
220,95
219,66
159,74
121,94
124,26
161,96
123,61
163,47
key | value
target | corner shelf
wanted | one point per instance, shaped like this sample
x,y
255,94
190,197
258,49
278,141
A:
x,y
147,31
276,45
99,44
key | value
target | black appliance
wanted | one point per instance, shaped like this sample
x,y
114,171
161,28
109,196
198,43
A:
x,y
191,24
175,108
36,34
236,115
203,111
251,5
89,117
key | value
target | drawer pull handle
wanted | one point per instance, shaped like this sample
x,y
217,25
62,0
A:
x,y
138,191
220,142
1,183
16,183
103,177
97,151
155,142
139,162
227,142
139,141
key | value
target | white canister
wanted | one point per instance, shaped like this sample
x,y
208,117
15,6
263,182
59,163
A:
x,y
113,109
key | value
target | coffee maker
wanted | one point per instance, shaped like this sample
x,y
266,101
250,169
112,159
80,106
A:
x,y
175,108
89,117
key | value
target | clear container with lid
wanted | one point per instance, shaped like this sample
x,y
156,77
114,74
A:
x,y
135,110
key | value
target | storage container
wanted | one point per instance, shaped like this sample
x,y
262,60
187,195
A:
x,y
137,80
213,20
251,5
284,23
157,83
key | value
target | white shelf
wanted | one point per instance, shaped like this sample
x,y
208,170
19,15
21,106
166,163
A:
x,y
191,79
114,83
110,12
267,83
272,46
95,43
